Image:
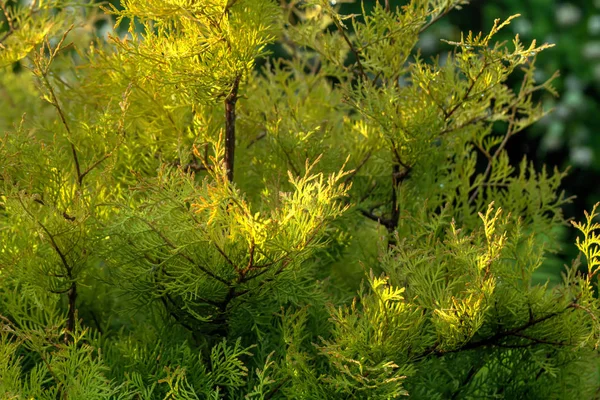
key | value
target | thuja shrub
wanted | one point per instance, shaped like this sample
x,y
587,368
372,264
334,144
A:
x,y
341,222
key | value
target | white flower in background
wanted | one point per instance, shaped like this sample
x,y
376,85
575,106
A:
x,y
550,39
573,83
591,50
581,156
522,26
567,14
574,99
105,30
562,111
553,138
594,25
428,42
597,72
539,75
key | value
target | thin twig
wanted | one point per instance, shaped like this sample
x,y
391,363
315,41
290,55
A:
x,y
189,259
277,388
470,375
226,257
96,322
72,292
256,139
94,165
354,50
435,19
358,167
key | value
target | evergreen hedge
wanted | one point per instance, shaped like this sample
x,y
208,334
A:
x,y
341,223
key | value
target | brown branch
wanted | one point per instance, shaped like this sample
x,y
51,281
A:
x,y
397,155
192,166
397,177
250,264
72,312
44,74
511,332
540,341
233,293
63,291
380,220
77,168
495,339
354,50
230,101
226,10
176,310
255,267
53,243
229,5
394,201
242,278
68,129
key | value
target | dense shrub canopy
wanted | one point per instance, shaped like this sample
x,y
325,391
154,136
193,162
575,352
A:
x,y
340,222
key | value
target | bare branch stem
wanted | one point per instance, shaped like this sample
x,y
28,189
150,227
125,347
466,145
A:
x,y
230,102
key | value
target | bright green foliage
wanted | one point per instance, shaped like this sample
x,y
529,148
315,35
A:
x,y
179,223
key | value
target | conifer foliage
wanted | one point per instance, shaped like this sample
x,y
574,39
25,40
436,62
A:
x,y
340,222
